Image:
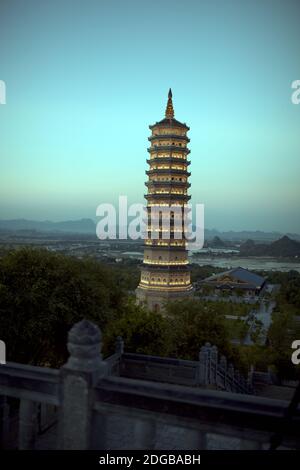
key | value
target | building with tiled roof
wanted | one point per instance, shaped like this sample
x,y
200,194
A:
x,y
235,280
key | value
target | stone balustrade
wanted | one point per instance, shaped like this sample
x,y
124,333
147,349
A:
x,y
208,372
98,407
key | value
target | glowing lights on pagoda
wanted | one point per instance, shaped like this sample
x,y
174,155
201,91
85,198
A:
x,y
165,273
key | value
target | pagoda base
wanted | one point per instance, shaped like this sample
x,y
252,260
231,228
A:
x,y
155,299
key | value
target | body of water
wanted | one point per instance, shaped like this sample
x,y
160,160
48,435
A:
x,y
266,264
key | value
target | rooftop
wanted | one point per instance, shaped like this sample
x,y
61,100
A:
x,y
169,120
240,275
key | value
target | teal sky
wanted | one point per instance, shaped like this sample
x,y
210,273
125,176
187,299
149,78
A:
x,y
85,79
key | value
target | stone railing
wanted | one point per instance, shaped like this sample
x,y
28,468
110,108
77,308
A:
x,y
207,372
96,408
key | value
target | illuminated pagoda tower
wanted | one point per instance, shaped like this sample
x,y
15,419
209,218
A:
x,y
165,273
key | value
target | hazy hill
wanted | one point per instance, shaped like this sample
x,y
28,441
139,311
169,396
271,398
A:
x,y
74,226
256,235
284,247
216,242
88,226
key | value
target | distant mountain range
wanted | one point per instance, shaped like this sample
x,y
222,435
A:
x,y
70,226
284,247
256,235
88,226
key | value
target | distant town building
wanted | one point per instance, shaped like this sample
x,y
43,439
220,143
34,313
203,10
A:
x,y
236,281
165,273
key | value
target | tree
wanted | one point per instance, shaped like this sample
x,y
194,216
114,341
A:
x,y
280,337
192,324
43,294
143,332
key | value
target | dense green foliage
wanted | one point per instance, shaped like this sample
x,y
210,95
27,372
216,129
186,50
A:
x,y
43,294
192,324
128,274
143,332
198,273
180,331
285,327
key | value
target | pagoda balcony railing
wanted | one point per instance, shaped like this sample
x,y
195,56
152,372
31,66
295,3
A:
x,y
167,247
165,268
182,197
164,191
173,263
167,171
176,184
169,136
170,148
178,287
170,160
168,240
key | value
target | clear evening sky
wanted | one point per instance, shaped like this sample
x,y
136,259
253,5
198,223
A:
x,y
85,79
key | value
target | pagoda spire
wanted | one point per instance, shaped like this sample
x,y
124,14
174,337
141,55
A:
x,y
169,108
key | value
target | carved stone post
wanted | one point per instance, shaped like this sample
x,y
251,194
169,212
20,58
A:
x,y
208,354
203,367
119,350
250,375
28,424
213,365
230,375
237,378
119,345
79,376
223,365
4,421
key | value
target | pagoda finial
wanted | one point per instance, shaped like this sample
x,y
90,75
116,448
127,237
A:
x,y
169,108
